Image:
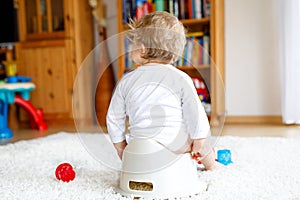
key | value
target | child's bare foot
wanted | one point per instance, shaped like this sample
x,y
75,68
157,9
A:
x,y
216,166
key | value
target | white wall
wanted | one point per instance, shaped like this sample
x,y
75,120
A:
x,y
252,64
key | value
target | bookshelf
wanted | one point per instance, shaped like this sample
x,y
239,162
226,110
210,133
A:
x,y
211,24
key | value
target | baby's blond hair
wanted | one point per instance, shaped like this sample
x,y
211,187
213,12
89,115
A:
x,y
159,35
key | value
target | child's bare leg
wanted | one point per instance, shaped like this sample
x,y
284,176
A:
x,y
120,146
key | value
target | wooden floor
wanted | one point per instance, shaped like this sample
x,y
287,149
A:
x,y
256,130
244,130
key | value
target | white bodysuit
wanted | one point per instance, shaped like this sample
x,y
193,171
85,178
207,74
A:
x,y
161,103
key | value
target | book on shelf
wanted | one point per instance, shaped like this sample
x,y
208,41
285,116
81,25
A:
x,y
200,57
196,51
206,8
206,53
196,54
159,5
190,9
176,8
189,53
171,7
129,64
198,9
183,9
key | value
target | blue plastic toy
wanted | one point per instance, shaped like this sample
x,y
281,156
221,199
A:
x,y
224,156
18,79
7,96
5,132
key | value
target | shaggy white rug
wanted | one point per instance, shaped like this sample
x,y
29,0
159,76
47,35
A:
x,y
263,168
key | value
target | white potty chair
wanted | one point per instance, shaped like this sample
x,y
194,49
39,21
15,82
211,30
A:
x,y
151,170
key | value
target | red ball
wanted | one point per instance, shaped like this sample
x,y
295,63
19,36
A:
x,y
65,172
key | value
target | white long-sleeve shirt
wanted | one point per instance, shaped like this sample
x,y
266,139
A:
x,y
161,103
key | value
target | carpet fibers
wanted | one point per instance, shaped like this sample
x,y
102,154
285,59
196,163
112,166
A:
x,y
263,168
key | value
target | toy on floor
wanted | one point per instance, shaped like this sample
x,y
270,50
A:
x,y
201,89
224,156
36,115
18,93
65,172
151,170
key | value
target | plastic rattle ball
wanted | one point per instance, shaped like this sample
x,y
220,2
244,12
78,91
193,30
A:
x,y
65,172
224,156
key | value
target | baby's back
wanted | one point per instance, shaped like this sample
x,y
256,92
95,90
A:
x,y
153,102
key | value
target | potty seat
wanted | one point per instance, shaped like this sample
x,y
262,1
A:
x,y
151,170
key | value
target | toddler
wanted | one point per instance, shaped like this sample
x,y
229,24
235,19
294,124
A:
x,y
160,101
